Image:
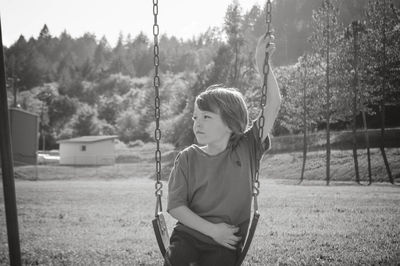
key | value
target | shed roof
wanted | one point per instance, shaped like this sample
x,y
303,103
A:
x,y
87,139
20,110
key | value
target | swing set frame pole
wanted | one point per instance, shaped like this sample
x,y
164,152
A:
x,y
8,169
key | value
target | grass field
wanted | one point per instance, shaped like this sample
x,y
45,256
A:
x,y
139,163
107,221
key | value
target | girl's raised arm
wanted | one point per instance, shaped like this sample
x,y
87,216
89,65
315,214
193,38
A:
x,y
273,93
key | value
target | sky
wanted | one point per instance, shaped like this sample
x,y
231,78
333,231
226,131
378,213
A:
x,y
109,18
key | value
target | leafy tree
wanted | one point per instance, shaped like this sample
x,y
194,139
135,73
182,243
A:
x,y
384,57
288,121
233,29
309,74
85,122
115,80
28,101
109,108
114,84
87,92
129,127
351,69
177,129
221,66
45,94
292,21
61,110
137,95
106,128
324,41
207,46
297,83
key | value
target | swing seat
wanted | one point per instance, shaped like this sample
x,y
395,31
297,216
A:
x,y
161,232
249,238
242,251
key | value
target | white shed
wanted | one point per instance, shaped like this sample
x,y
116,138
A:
x,y
88,150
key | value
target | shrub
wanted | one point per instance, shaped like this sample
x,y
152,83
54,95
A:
x,y
136,143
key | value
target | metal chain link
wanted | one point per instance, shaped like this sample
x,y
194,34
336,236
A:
x,y
156,84
263,102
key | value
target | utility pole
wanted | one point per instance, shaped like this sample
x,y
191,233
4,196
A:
x,y
15,81
43,96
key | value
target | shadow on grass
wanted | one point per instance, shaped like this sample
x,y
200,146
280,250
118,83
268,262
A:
x,y
333,183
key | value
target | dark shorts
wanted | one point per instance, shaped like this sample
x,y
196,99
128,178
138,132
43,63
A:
x,y
185,250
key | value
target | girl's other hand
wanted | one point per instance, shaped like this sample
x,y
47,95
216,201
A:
x,y
267,41
265,44
224,234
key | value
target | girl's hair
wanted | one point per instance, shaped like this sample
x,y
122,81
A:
x,y
229,103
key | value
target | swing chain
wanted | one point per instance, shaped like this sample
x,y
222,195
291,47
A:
x,y
268,17
156,83
263,102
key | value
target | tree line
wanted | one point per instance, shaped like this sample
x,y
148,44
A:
x,y
330,68
351,68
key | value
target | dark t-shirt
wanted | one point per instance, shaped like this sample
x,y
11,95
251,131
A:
x,y
217,187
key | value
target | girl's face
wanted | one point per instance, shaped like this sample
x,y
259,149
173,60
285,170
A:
x,y
209,127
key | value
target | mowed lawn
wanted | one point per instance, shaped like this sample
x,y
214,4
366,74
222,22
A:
x,y
109,223
106,221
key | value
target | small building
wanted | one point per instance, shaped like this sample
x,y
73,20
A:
x,y
24,127
88,150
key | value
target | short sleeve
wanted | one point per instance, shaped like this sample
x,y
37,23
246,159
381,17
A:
x,y
177,184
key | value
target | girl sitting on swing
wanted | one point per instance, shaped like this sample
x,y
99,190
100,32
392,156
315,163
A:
x,y
210,187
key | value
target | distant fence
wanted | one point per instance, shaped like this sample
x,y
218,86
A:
x,y
342,140
127,165
55,171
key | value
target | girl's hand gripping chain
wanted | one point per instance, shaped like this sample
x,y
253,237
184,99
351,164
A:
x,y
265,49
265,45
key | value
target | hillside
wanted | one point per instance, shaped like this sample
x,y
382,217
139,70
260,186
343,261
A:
x,y
138,163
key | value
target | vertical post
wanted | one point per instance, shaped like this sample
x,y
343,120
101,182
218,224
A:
x,y
7,168
41,128
303,75
14,91
328,95
355,25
